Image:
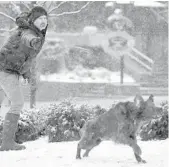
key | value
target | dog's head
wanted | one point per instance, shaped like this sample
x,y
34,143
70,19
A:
x,y
146,109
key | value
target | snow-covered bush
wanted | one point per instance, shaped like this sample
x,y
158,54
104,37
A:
x,y
52,56
156,128
90,57
31,125
61,122
66,119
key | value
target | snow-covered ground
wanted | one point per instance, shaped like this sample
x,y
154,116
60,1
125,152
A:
x,y
80,74
43,154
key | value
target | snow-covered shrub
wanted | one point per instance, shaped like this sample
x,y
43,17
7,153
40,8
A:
x,y
90,57
26,130
66,119
52,56
61,122
156,128
31,124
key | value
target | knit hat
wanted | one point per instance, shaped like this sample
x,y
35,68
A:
x,y
36,12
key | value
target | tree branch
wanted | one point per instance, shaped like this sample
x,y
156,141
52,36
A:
x,y
25,5
56,7
7,30
11,18
4,31
17,9
50,5
40,3
72,12
165,11
158,15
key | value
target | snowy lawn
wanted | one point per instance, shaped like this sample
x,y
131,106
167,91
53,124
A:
x,y
107,154
80,74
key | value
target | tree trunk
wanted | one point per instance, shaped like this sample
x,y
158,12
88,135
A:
x,y
121,69
33,90
33,86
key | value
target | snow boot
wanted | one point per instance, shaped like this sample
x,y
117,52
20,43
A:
x,y
8,134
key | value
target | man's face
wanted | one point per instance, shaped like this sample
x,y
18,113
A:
x,y
41,22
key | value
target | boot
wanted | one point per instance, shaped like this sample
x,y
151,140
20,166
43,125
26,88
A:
x,y
8,134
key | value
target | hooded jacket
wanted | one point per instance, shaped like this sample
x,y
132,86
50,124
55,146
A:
x,y
21,48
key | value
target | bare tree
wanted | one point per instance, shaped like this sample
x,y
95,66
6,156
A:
x,y
51,7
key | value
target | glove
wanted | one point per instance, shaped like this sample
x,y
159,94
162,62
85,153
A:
x,y
23,81
27,76
36,43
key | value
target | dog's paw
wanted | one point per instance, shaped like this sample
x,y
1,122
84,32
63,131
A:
x,y
143,161
78,157
85,155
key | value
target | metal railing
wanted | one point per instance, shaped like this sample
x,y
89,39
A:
x,y
142,55
140,58
139,61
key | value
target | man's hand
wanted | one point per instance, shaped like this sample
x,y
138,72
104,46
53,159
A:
x,y
24,81
27,76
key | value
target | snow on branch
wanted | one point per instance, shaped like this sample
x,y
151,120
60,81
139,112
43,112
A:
x,y
1,13
15,7
71,12
57,7
25,5
158,15
2,30
50,4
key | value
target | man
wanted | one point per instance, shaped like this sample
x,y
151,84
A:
x,y
16,58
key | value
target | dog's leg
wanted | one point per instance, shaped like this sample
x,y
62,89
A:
x,y
137,151
78,153
86,154
139,159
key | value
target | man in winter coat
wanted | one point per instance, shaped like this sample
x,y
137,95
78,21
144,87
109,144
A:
x,y
16,58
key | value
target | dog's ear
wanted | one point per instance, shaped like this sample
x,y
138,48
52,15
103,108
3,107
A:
x,y
151,98
139,101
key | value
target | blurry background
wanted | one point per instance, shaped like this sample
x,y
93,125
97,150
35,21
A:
x,y
81,56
